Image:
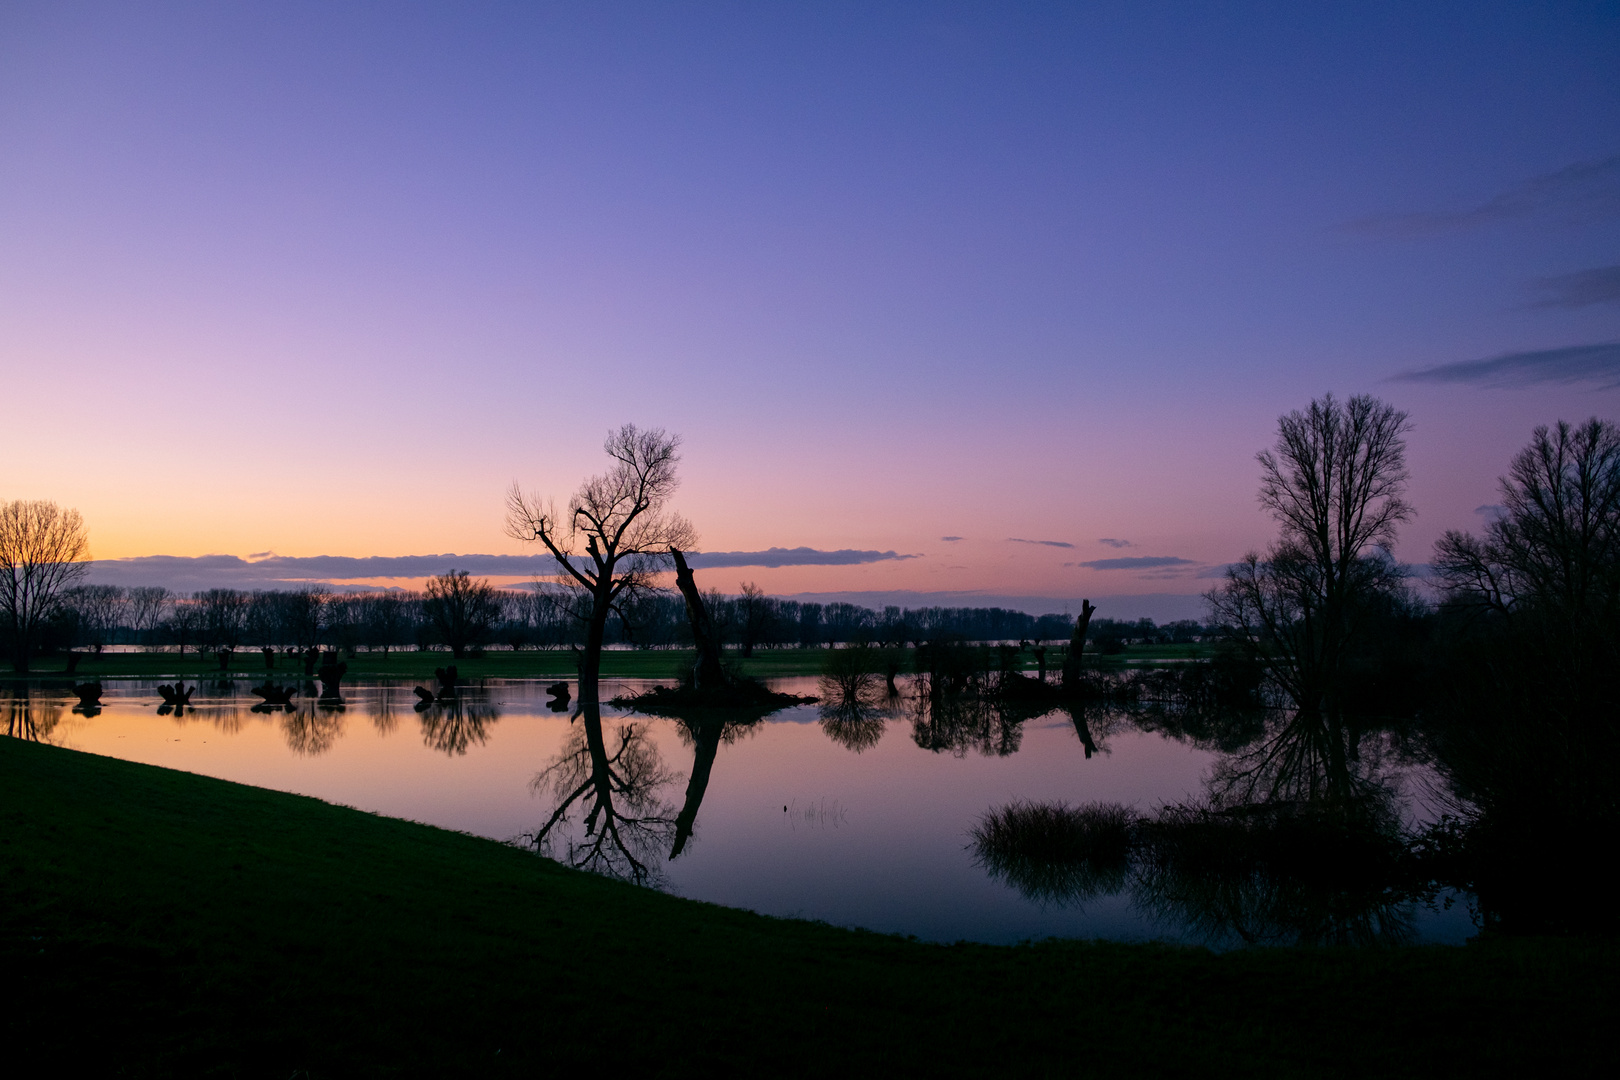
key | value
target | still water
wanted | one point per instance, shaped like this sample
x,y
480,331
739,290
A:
x,y
800,817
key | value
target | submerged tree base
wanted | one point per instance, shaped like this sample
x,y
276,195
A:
x,y
734,693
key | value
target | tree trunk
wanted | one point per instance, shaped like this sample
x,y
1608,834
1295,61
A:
x,y
707,672
706,738
590,661
1077,642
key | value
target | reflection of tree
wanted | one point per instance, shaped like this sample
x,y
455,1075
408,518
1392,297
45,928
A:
x,y
28,719
957,723
311,732
1303,756
625,822
706,733
1275,873
451,726
1299,839
1093,724
228,717
385,711
856,705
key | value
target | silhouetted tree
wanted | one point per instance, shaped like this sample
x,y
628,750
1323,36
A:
x,y
100,610
1553,553
223,617
461,610
146,608
43,551
184,623
345,622
753,616
1522,724
622,519
390,618
1334,482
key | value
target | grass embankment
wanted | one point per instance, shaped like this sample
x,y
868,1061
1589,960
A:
x,y
160,923
503,664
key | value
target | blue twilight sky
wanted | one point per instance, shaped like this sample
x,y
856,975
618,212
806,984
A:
x,y
323,279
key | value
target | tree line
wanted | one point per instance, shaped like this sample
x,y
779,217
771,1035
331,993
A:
x,y
463,614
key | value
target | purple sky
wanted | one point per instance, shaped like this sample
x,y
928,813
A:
x,y
322,280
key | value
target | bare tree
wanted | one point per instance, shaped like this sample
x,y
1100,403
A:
x,y
43,550
146,604
754,614
622,520
1334,482
100,609
223,616
388,617
461,610
185,621
303,614
1556,543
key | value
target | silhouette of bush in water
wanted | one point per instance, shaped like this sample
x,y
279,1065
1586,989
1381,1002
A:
x,y
1266,873
1057,853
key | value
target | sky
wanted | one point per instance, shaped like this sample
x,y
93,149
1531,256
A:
x,y
964,300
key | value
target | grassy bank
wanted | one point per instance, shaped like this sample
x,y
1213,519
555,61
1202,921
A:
x,y
503,664
161,923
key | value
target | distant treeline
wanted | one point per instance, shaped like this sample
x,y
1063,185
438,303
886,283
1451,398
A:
x,y
95,616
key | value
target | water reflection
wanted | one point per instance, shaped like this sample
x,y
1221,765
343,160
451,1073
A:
x,y
311,732
1054,853
1294,835
176,698
385,709
1306,756
1298,838
1277,873
27,718
956,723
609,815
705,732
451,726
858,699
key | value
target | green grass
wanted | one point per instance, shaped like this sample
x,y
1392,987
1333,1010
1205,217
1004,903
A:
x,y
157,923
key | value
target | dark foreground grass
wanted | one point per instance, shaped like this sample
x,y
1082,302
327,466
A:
x,y
159,923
